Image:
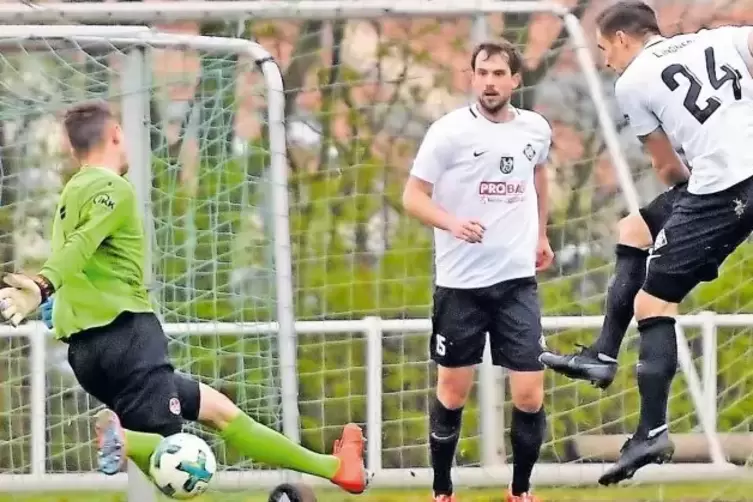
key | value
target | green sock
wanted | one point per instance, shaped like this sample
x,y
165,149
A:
x,y
140,446
262,444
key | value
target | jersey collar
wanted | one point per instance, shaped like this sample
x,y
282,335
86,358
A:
x,y
656,39
477,113
653,41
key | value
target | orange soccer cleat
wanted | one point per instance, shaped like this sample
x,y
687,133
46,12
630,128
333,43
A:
x,y
444,498
351,476
526,497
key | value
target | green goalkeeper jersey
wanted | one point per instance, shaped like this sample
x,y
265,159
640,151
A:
x,y
97,260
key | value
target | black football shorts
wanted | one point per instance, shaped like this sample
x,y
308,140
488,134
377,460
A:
x,y
125,366
509,312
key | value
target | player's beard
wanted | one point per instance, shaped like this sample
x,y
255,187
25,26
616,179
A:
x,y
497,104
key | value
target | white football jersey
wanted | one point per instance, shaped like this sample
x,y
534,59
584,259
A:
x,y
483,170
698,89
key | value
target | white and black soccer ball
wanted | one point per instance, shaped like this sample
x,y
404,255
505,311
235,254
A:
x,y
182,466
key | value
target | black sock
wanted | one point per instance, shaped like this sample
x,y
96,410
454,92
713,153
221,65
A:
x,y
629,274
526,436
657,365
444,433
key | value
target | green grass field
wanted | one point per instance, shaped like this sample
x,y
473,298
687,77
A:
x,y
726,492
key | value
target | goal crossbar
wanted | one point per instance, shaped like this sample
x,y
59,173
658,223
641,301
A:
x,y
133,40
191,10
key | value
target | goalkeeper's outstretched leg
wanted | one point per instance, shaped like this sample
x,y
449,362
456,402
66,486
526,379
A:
x,y
344,468
152,401
597,363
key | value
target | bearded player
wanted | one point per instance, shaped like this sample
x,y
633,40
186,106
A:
x,y
479,179
116,346
692,91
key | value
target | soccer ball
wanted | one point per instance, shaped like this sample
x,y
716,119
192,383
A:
x,y
182,466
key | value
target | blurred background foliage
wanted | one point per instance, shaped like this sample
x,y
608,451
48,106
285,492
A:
x,y
359,96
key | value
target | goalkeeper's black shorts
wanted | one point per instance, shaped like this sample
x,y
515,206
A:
x,y
125,366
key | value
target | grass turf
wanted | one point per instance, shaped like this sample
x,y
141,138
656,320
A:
x,y
720,492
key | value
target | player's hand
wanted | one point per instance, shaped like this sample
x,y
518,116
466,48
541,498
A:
x,y
20,299
544,254
467,230
47,313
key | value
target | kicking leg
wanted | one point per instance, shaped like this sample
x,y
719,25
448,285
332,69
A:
x,y
527,429
629,274
344,467
598,363
152,401
696,240
142,430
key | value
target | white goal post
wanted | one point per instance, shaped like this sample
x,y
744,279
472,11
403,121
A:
x,y
31,32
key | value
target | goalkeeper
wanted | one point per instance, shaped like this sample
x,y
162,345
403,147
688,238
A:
x,y
116,346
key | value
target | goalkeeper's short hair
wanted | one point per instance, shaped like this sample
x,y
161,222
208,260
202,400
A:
x,y
85,125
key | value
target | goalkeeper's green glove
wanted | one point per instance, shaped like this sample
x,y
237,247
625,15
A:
x,y
22,297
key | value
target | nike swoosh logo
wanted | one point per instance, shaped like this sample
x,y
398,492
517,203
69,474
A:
x,y
655,432
442,438
478,154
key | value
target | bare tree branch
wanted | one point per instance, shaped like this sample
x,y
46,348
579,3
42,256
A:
x,y
306,54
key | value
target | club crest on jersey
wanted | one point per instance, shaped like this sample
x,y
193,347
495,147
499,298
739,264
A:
x,y
529,152
506,165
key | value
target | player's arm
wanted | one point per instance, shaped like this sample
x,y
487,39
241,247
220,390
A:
x,y
103,212
634,104
668,165
544,253
418,202
541,183
429,164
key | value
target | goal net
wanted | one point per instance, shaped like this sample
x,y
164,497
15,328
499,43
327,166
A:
x,y
201,124
360,91
363,91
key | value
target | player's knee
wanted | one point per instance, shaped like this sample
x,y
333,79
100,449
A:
x,y
633,231
647,305
217,410
527,390
454,385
